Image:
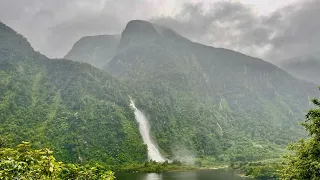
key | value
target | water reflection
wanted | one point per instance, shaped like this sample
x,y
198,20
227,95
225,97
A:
x,y
153,176
199,175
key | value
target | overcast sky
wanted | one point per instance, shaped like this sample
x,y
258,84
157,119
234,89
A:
x,y
270,29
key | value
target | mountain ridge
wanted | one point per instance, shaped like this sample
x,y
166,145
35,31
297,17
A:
x,y
213,103
95,50
79,111
243,88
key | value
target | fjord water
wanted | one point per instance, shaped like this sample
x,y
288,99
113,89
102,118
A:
x,y
153,152
219,174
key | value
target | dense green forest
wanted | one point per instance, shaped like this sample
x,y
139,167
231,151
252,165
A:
x,y
304,162
206,104
301,161
208,101
80,112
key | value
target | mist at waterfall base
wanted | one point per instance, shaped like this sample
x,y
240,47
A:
x,y
183,154
153,151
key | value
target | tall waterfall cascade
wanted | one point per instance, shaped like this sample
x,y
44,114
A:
x,y
144,128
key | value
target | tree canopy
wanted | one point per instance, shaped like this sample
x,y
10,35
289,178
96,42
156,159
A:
x,y
304,163
26,163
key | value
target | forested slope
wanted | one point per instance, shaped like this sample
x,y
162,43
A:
x,y
213,102
204,102
80,112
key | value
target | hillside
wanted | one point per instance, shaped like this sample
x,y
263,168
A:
x,y
77,110
202,102
305,68
208,101
95,50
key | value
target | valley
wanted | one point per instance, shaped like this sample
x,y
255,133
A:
x,y
149,94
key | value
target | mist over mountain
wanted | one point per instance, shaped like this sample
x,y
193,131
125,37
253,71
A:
x,y
80,112
306,68
95,50
216,104
185,86
159,89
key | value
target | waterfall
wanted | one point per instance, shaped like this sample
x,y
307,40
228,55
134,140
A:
x,y
153,152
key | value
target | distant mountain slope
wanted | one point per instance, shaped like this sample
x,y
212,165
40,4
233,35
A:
x,y
95,50
305,68
79,111
11,40
202,102
210,100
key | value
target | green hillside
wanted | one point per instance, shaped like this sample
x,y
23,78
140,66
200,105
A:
x,y
202,102
80,112
210,101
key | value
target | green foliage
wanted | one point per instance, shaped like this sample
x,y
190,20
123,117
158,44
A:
x,y
305,162
259,170
80,112
208,101
26,163
202,102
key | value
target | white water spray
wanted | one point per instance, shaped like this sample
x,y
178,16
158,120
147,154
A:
x,y
153,152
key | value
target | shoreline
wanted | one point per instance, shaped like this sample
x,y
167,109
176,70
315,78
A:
x,y
174,169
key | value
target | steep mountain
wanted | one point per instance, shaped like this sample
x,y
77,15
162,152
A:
x,y
211,102
95,50
204,102
79,111
306,68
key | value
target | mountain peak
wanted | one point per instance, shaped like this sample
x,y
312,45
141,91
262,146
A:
x,y
95,50
139,26
137,32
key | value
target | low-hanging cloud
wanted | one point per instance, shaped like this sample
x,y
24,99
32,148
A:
x,y
52,26
299,33
223,24
288,32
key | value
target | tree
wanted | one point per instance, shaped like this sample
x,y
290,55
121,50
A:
x,y
26,163
304,163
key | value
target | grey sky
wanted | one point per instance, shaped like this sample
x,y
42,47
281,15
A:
x,y
272,30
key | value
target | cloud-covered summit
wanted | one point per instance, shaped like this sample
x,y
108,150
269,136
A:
x,y
53,26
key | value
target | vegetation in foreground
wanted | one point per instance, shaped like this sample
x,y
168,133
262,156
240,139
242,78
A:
x,y
194,103
26,163
302,163
305,162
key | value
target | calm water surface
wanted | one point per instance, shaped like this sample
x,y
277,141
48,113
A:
x,y
220,174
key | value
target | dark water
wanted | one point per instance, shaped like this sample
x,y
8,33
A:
x,y
199,175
